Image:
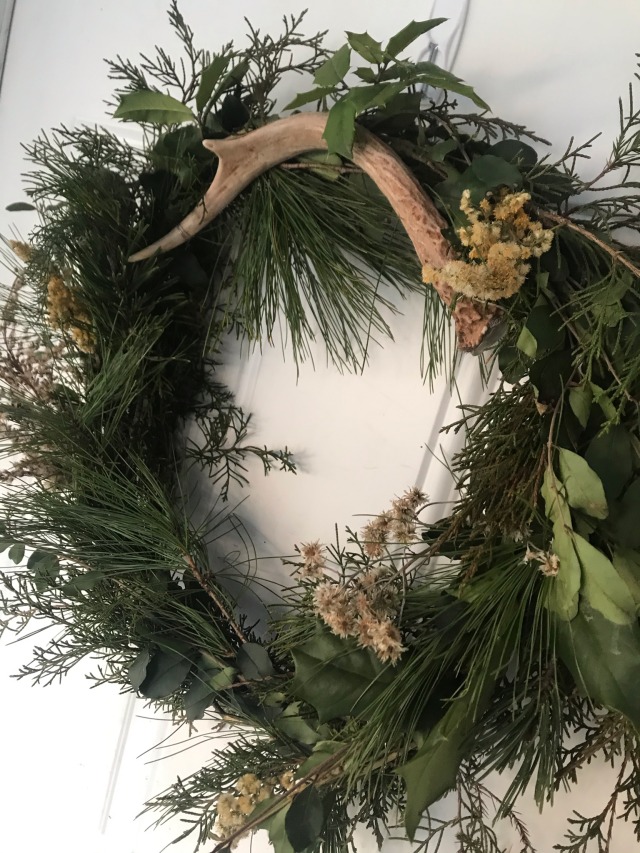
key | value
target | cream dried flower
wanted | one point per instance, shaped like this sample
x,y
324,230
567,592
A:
x,y
314,560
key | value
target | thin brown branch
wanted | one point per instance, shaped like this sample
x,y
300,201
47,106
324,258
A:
x,y
199,576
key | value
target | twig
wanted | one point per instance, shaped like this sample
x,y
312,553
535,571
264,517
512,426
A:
x,y
198,575
331,166
618,256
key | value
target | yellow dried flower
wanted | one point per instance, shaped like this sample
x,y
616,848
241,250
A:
x,y
501,238
66,312
287,780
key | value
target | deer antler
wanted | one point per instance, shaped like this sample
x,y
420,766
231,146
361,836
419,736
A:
x,y
242,158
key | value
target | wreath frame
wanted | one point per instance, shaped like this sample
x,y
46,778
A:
x,y
88,402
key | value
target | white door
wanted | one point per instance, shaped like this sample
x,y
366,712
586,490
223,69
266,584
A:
x,y
71,780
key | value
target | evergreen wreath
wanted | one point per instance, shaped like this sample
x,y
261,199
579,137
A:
x,y
416,657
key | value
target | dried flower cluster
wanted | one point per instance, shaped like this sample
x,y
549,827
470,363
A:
x,y
548,563
67,312
234,809
501,238
397,525
313,561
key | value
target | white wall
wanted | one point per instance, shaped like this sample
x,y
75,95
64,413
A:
x,y
557,67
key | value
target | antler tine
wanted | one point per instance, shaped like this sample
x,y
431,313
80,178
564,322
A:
x,y
241,159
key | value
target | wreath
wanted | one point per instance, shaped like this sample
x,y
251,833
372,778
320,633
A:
x,y
409,658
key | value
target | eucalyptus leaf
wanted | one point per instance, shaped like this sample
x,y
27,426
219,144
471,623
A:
x,y
294,726
627,565
198,697
222,680
610,456
254,662
210,77
604,401
336,677
334,69
276,827
19,206
409,34
138,669
526,343
166,671
85,581
152,107
624,523
602,587
604,659
580,400
323,751
564,590
304,819
546,327
583,486
16,553
366,46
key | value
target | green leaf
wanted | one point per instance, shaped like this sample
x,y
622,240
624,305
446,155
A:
x,y
604,401
223,679
366,46
340,129
254,662
565,586
439,151
138,669
627,565
309,97
165,673
294,726
582,484
85,581
19,206
550,374
152,107
433,769
365,73
16,553
526,343
409,34
604,659
335,68
546,327
322,752
580,400
515,151
276,827
430,74
602,587
624,522
319,161
495,172
304,819
336,677
233,76
610,455
198,697
233,114
210,77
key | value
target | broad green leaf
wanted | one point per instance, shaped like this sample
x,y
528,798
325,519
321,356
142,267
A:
x,y
433,769
276,827
309,97
495,172
565,586
582,484
19,206
610,456
138,669
555,499
366,46
165,673
223,679
627,565
365,73
16,553
526,343
233,76
198,697
336,677
546,327
323,164
439,151
334,69
377,95
580,400
85,581
254,662
409,34
602,587
550,374
294,726
210,76
604,401
304,819
323,751
624,521
604,659
153,107
515,151
340,129
430,74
